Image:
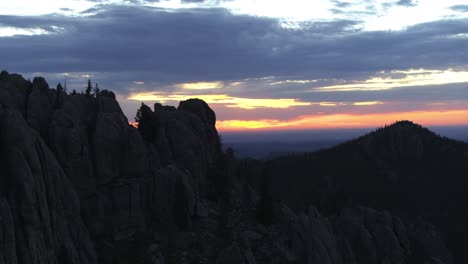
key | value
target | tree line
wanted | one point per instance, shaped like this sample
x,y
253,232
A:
x,y
90,90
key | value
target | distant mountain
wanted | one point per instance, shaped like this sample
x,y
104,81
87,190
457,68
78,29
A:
x,y
272,144
272,149
404,168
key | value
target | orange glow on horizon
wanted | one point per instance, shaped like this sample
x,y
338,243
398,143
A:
x,y
425,118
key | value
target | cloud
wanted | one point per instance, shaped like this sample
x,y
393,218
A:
x,y
367,103
408,3
190,43
201,85
410,78
460,8
228,101
200,44
341,4
134,49
14,31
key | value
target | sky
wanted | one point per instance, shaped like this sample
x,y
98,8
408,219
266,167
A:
x,y
260,64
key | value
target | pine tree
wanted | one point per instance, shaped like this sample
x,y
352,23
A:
x,y
59,88
65,85
147,123
96,90
58,95
89,88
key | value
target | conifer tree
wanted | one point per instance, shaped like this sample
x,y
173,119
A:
x,y
60,88
96,90
89,88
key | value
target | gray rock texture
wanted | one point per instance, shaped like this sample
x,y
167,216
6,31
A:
x,y
40,210
74,170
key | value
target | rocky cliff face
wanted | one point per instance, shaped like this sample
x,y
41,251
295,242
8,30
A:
x,y
77,158
40,210
79,185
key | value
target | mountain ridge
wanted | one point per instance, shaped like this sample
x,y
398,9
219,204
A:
x,y
404,168
80,185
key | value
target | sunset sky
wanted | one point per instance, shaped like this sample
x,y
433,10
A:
x,y
260,64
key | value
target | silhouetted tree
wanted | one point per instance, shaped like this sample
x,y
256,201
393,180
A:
x,y
147,123
58,95
73,92
65,85
96,90
89,88
139,113
230,153
59,88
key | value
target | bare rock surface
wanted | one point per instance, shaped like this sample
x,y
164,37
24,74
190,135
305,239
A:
x,y
40,210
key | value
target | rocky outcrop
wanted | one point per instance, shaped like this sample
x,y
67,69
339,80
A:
x,y
40,105
80,185
40,210
356,235
13,91
188,137
115,182
428,243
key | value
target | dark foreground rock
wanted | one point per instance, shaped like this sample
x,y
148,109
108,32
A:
x,y
40,218
79,185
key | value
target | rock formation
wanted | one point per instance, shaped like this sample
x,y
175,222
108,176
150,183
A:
x,y
40,210
79,185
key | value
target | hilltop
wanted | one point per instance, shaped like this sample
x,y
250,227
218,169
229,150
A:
x,y
404,168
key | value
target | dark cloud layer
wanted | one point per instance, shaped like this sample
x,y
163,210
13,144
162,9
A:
x,y
214,44
460,8
341,4
406,3
201,44
123,44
